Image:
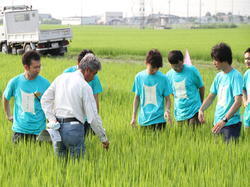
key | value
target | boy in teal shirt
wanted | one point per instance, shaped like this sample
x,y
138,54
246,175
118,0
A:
x,y
228,85
246,89
188,89
27,88
151,88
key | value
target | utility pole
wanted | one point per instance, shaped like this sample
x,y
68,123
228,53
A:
x,y
200,13
232,19
169,2
187,8
142,14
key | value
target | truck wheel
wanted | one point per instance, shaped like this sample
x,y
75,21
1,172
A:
x,y
5,49
27,48
14,51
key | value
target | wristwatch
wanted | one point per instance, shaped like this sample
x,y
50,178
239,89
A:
x,y
225,119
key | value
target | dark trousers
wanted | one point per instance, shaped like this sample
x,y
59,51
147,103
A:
x,y
231,132
17,137
193,121
155,127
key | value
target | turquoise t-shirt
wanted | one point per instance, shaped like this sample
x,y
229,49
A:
x,y
95,84
185,86
152,90
246,87
227,86
28,116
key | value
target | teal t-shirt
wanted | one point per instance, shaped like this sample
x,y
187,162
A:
x,y
246,87
152,90
28,116
185,86
227,86
95,84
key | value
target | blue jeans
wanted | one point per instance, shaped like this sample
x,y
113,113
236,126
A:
x,y
72,143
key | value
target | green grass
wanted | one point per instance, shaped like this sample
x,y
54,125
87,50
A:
x,y
178,156
120,41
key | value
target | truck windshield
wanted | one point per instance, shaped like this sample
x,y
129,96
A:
x,y
22,17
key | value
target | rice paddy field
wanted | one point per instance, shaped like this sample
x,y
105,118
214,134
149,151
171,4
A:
x,y
178,156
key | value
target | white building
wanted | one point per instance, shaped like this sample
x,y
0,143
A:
x,y
111,18
92,20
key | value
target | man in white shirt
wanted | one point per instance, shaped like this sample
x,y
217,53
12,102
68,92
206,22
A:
x,y
70,101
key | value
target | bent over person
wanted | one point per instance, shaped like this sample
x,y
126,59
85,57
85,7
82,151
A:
x,y
95,84
188,89
27,89
70,101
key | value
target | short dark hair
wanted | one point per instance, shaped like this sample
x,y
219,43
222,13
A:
x,y
222,53
154,58
247,50
175,56
29,56
83,53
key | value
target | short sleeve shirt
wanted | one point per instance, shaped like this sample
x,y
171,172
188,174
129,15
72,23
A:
x,y
152,90
185,86
28,115
227,86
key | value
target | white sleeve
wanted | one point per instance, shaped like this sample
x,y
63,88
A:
x,y
47,102
93,117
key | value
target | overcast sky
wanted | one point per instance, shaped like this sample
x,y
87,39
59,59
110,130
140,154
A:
x,y
65,8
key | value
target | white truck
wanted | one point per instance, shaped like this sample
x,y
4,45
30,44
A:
x,y
19,32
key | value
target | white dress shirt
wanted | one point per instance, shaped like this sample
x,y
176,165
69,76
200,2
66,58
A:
x,y
69,96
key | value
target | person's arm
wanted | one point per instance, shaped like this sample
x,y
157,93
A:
x,y
244,98
234,108
47,103
93,117
135,109
167,114
208,101
6,106
202,93
97,101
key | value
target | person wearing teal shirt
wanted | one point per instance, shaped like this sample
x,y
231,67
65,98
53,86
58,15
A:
x,y
27,88
246,90
228,85
95,84
151,89
188,89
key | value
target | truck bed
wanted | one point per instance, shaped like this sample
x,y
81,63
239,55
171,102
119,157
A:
x,y
41,36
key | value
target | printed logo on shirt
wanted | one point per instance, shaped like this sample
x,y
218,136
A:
x,y
222,95
150,95
28,104
180,89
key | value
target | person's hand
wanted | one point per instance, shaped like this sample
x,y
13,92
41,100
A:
x,y
218,126
201,116
133,123
10,118
105,145
168,117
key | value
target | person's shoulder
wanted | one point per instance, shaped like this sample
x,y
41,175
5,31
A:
x,y
247,73
161,75
140,74
70,69
17,78
43,79
236,73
